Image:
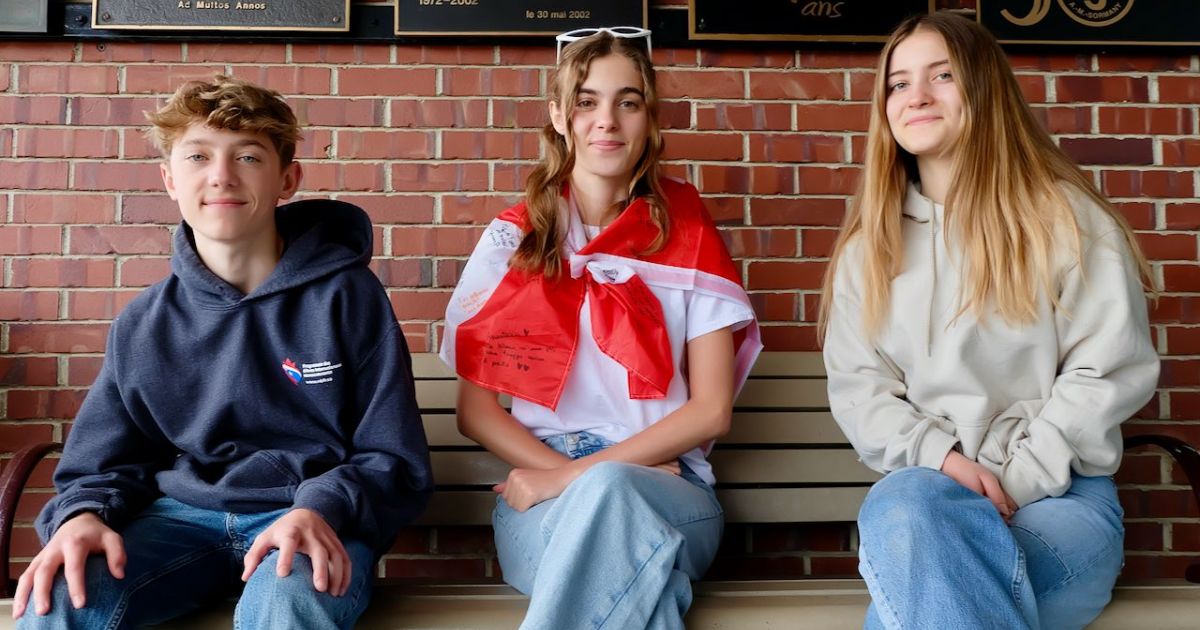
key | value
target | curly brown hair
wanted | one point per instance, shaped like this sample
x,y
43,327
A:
x,y
230,104
541,249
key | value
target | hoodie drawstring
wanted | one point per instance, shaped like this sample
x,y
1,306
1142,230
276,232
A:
x,y
933,289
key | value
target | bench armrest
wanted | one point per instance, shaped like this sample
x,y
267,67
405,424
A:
x,y
1188,459
12,483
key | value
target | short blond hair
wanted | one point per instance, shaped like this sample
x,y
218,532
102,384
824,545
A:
x,y
230,104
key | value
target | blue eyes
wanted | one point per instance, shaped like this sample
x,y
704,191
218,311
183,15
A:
x,y
246,159
940,77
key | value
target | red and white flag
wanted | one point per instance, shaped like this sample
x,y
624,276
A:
x,y
516,333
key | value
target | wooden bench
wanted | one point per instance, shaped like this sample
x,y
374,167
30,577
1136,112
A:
x,y
784,461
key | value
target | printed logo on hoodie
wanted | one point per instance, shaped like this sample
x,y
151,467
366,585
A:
x,y
293,374
310,373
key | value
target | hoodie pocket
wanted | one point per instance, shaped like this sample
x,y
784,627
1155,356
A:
x,y
1004,432
262,469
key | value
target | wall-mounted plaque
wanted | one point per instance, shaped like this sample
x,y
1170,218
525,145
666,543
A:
x,y
514,17
23,16
1127,22
209,15
800,20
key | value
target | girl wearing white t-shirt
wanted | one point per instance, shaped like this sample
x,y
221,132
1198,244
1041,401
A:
x,y
607,306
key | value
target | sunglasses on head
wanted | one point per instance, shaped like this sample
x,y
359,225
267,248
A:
x,y
624,32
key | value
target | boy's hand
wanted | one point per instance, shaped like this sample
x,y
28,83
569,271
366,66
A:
x,y
305,531
974,477
69,548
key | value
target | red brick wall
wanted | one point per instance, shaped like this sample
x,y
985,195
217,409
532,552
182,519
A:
x,y
435,140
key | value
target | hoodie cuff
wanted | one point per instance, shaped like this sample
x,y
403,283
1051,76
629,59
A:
x,y
323,500
1023,488
64,512
933,448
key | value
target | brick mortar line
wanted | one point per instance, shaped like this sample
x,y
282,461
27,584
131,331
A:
x,y
394,64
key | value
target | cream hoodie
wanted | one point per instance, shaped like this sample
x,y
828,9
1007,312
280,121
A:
x,y
1031,403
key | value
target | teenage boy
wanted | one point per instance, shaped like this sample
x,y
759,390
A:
x,y
255,415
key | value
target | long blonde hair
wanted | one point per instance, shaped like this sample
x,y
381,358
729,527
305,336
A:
x,y
1006,201
541,248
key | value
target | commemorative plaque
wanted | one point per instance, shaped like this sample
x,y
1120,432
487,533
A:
x,y
209,15
800,20
514,17
1131,22
23,16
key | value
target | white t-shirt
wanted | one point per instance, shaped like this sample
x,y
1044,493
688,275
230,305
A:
x,y
596,396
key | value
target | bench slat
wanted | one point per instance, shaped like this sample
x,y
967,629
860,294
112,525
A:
x,y
758,505
805,364
802,364
444,395
787,393
786,466
783,427
475,468
749,427
429,365
765,393
441,430
791,505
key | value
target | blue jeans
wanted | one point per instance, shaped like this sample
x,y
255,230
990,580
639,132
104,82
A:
x,y
937,555
618,549
180,558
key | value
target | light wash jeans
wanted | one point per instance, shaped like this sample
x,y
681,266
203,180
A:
x,y
180,558
937,555
618,549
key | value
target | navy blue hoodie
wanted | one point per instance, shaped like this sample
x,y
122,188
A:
x,y
299,394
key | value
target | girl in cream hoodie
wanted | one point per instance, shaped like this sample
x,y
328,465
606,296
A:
x,y
985,335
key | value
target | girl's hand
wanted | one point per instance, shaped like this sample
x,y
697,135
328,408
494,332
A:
x,y
671,467
974,477
527,487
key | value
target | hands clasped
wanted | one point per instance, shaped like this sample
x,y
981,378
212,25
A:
x,y
527,487
973,476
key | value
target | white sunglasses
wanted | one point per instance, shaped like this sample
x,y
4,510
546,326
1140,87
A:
x,y
624,32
